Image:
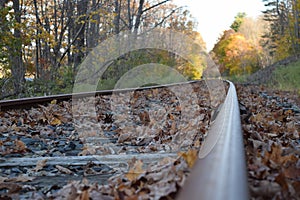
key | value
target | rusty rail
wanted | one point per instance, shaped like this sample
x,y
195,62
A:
x,y
220,172
33,101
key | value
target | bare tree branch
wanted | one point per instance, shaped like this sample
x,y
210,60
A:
x,y
158,4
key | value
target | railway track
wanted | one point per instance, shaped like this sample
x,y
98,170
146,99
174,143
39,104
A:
x,y
46,143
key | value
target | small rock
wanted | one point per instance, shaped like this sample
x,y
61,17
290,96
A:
x,y
16,170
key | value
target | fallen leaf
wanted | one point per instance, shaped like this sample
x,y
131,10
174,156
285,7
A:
x,y
69,191
296,186
3,179
20,146
190,156
135,171
63,169
124,137
280,179
54,101
265,189
144,117
11,187
21,178
276,156
85,195
55,121
40,165
292,172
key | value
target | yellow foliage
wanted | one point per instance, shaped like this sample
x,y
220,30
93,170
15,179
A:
x,y
235,54
190,156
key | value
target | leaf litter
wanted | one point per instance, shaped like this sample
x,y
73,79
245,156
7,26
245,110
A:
x,y
157,123
270,122
271,126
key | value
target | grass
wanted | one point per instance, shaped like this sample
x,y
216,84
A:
x,y
287,77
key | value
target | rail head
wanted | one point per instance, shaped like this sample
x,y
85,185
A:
x,y
220,172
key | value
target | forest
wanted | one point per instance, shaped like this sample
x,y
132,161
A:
x,y
43,43
251,44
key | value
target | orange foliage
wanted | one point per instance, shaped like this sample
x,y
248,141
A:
x,y
235,54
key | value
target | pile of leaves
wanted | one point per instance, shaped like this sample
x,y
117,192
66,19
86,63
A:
x,y
161,180
271,126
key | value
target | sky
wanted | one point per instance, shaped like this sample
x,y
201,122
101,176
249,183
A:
x,y
215,16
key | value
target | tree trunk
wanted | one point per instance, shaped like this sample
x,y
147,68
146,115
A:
x,y
138,17
296,25
117,13
93,29
80,39
17,66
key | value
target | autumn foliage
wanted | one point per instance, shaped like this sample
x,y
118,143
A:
x,y
235,54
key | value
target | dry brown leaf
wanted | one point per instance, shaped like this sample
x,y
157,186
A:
x,y
124,137
69,192
87,150
40,165
11,187
265,189
144,117
85,195
276,156
173,126
63,169
292,172
296,186
20,146
190,156
63,118
133,197
171,117
135,171
280,179
21,178
3,179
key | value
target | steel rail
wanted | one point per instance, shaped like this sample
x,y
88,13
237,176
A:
x,y
220,172
33,101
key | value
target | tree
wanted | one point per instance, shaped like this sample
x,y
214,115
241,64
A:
x,y
238,20
284,34
44,38
17,65
5,37
234,54
12,36
253,29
